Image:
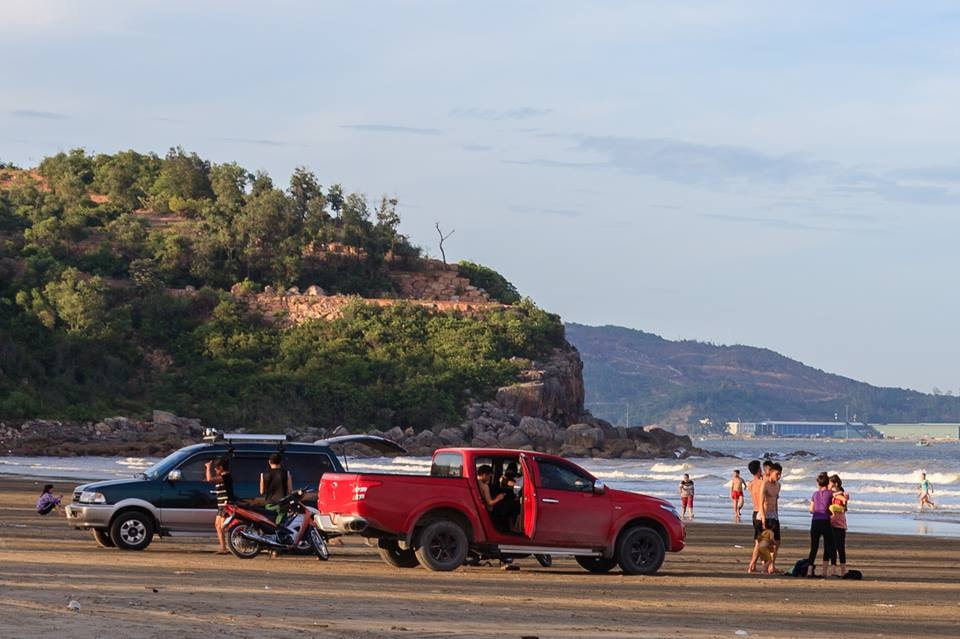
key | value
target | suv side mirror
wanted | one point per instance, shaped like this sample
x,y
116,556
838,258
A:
x,y
174,475
599,487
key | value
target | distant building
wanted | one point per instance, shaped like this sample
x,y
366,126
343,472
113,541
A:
x,y
920,431
778,428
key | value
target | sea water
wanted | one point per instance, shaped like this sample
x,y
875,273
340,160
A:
x,y
882,478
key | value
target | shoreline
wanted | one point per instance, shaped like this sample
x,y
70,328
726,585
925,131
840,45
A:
x,y
178,587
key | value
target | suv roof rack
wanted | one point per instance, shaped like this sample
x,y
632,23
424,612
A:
x,y
213,435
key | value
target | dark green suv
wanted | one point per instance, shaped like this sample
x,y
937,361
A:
x,y
173,497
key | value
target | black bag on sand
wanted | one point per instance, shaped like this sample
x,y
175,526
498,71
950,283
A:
x,y
853,574
800,568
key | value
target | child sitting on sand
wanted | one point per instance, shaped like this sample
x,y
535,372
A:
x,y
47,501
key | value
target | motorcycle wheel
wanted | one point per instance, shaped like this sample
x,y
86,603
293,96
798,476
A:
x,y
240,546
319,544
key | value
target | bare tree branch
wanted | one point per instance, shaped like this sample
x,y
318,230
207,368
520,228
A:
x,y
442,239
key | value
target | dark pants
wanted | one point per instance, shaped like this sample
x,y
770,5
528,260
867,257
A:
x,y
820,528
839,546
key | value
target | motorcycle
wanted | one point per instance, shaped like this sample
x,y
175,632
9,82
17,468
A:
x,y
248,532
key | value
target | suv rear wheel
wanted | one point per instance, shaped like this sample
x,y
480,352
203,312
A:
x,y
102,537
442,546
596,564
132,530
391,552
640,551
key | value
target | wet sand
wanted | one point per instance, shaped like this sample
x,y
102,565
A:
x,y
179,588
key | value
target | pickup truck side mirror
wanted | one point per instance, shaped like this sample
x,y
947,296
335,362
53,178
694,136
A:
x,y
174,475
599,487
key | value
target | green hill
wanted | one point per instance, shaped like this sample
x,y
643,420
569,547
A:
x,y
641,377
116,273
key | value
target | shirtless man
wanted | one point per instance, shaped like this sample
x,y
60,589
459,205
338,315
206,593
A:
x,y
737,486
755,488
769,513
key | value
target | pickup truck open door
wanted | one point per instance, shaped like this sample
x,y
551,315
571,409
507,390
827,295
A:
x,y
529,497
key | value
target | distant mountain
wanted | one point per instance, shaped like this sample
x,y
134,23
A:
x,y
640,378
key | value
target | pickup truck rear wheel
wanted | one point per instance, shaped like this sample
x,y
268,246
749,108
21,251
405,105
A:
x,y
596,564
394,555
102,537
442,546
640,551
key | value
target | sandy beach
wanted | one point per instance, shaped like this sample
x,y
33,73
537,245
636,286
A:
x,y
179,588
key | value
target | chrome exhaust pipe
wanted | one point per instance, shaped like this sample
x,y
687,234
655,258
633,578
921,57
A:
x,y
260,539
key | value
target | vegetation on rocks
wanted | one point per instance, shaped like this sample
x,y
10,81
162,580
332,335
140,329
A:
x,y
114,272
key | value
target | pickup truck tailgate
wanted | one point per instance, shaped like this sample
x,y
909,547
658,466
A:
x,y
384,502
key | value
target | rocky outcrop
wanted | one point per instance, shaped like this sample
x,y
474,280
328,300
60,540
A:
x,y
112,436
543,411
438,281
551,389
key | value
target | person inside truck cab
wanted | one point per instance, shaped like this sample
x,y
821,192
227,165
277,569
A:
x,y
484,476
505,512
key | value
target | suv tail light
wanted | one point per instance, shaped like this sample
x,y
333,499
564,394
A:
x,y
363,485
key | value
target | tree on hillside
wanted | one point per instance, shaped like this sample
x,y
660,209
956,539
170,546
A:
x,y
126,177
443,238
68,174
229,184
183,184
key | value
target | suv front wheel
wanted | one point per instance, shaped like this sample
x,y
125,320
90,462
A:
x,y
132,530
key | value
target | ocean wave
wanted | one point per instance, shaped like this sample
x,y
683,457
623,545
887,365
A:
x,y
670,468
902,478
903,490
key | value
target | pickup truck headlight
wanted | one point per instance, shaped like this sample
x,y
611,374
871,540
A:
x,y
92,497
671,510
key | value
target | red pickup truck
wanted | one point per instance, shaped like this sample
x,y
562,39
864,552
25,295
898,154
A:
x,y
549,505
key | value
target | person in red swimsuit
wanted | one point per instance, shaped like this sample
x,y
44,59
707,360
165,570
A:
x,y
737,486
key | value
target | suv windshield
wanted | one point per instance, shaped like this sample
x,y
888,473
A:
x,y
161,467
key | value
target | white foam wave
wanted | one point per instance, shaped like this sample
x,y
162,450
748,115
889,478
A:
x,y
670,468
901,478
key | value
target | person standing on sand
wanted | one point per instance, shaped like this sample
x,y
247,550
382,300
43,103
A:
x,y
769,514
926,488
820,525
219,472
737,486
838,522
275,484
686,495
755,487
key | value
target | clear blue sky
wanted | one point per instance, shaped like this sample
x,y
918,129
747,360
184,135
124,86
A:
x,y
777,174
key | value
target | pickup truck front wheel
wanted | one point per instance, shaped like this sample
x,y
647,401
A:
x,y
442,546
640,551
394,555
